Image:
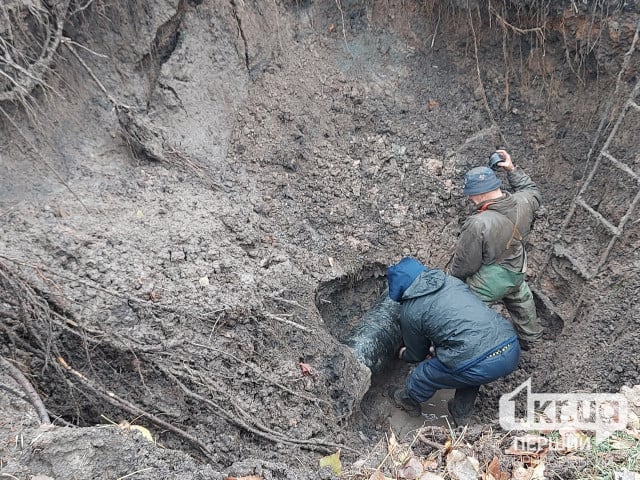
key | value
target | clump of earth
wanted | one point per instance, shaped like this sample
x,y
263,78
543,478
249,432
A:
x,y
199,201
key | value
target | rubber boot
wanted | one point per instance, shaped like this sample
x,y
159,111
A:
x,y
461,405
402,400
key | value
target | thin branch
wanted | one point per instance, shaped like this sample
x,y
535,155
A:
x,y
257,429
287,321
68,43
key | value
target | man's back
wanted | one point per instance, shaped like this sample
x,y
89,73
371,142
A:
x,y
443,309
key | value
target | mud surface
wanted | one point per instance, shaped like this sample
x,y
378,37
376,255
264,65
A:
x,y
191,252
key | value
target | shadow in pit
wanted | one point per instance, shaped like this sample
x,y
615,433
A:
x,y
550,317
358,313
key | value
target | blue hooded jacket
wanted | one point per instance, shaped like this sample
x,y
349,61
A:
x,y
441,309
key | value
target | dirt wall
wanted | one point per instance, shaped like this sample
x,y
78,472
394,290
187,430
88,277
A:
x,y
181,193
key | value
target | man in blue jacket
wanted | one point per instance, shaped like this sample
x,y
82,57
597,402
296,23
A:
x,y
472,343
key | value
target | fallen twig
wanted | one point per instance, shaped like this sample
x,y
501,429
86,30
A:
x,y
288,322
431,443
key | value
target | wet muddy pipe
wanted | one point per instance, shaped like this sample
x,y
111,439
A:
x,y
377,337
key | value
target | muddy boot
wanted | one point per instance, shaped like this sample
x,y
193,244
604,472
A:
x,y
402,400
525,346
461,406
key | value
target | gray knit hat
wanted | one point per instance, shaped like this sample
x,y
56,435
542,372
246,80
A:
x,y
480,180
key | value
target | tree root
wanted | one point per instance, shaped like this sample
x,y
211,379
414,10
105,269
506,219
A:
x,y
23,73
252,367
32,395
36,323
254,427
121,403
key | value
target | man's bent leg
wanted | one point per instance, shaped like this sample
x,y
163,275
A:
x,y
461,405
430,376
522,309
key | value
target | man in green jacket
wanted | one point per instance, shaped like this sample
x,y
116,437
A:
x,y
490,254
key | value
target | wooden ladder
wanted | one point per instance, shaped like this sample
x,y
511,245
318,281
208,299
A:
x,y
603,158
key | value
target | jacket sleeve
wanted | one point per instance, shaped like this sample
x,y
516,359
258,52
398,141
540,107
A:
x,y
467,258
522,185
415,341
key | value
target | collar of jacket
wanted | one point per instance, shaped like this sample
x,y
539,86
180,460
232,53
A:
x,y
484,206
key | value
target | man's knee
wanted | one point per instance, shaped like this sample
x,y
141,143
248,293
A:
x,y
420,388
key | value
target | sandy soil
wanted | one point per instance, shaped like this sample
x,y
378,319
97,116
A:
x,y
293,150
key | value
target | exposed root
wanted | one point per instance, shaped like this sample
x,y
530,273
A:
x,y
30,35
43,159
37,325
121,403
32,395
257,372
483,92
249,423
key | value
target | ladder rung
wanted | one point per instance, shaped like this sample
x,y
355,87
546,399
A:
x,y
563,252
621,165
614,230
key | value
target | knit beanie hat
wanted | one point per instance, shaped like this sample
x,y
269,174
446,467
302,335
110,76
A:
x,y
480,180
401,276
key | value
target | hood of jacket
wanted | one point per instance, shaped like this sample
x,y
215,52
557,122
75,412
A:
x,y
401,275
427,282
411,279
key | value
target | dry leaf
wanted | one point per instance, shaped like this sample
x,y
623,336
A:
x,y
411,469
430,464
431,104
139,428
625,474
377,475
521,473
493,469
430,476
250,477
144,431
392,446
538,472
332,461
572,440
621,444
462,467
